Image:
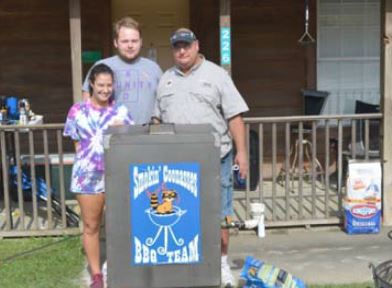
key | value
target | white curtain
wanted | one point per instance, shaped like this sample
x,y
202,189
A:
x,y
348,53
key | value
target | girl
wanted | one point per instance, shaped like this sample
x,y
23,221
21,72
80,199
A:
x,y
85,124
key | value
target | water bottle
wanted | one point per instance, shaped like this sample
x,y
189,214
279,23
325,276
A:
x,y
3,110
22,116
237,176
257,211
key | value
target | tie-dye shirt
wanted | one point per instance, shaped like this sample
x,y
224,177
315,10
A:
x,y
85,124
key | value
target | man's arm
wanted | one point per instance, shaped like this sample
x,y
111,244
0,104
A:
x,y
237,130
156,114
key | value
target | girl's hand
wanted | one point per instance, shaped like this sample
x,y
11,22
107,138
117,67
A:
x,y
117,122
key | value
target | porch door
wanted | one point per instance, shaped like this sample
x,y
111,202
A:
x,y
158,20
348,53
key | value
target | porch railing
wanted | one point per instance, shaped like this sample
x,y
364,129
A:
x,y
302,162
297,169
29,204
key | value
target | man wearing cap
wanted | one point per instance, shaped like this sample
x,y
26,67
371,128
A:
x,y
197,91
136,78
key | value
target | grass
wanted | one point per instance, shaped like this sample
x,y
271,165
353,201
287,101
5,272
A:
x,y
57,265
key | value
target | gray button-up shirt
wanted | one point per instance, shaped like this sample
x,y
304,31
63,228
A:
x,y
205,95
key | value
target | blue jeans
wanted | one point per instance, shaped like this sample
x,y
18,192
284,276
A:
x,y
226,176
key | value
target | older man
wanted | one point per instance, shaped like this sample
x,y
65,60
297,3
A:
x,y
136,78
196,91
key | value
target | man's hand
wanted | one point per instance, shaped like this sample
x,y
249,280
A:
x,y
241,159
237,130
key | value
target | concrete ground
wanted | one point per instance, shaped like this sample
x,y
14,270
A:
x,y
315,255
321,255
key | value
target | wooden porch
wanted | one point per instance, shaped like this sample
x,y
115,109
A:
x,y
305,191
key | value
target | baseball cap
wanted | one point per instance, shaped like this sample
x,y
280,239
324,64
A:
x,y
182,36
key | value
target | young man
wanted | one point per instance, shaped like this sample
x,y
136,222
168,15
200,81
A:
x,y
197,91
136,78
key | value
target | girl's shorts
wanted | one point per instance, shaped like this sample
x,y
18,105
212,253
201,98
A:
x,y
88,182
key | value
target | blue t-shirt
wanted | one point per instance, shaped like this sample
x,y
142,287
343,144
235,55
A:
x,y
135,85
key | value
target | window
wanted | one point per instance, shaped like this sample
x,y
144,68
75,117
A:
x,y
348,53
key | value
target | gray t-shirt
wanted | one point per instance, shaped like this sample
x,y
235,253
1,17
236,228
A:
x,y
135,85
206,95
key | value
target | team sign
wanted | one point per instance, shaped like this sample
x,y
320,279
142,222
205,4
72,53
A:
x,y
165,213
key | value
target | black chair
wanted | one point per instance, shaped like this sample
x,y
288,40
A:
x,y
359,152
364,107
313,104
314,101
374,130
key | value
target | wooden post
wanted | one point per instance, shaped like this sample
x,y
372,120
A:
x,y
225,35
107,39
76,49
386,101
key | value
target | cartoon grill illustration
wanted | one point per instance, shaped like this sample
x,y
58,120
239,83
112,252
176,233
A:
x,y
164,215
